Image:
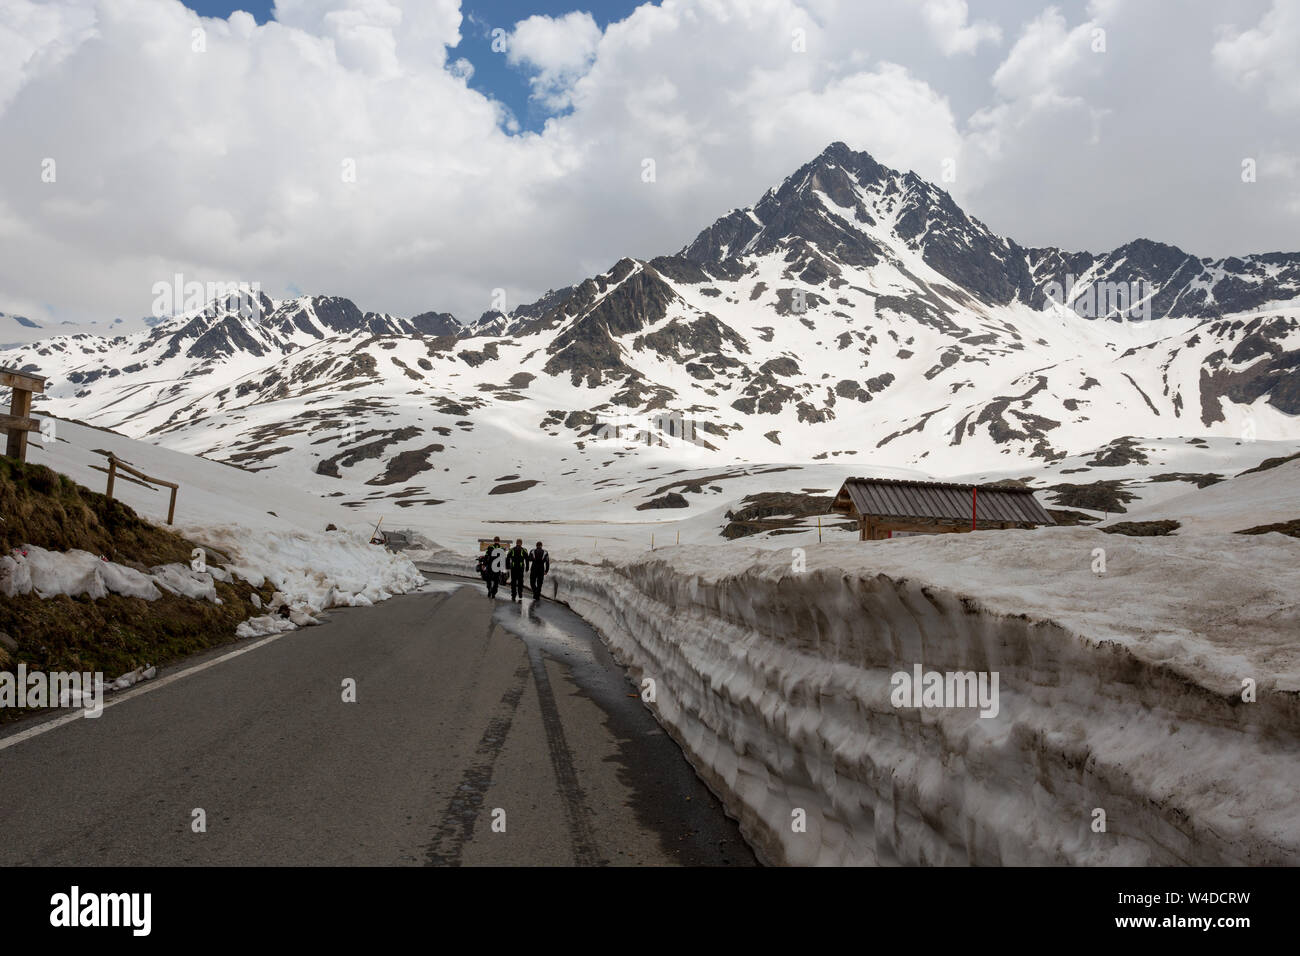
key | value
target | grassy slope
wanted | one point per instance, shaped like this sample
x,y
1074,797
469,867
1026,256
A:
x,y
114,634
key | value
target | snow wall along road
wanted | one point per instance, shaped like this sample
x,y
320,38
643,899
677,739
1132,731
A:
x,y
777,685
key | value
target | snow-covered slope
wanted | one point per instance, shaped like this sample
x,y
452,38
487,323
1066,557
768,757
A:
x,y
211,493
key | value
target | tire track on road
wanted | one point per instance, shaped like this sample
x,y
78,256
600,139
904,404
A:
x,y
566,778
466,804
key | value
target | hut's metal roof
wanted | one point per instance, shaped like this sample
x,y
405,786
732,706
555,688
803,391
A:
x,y
895,498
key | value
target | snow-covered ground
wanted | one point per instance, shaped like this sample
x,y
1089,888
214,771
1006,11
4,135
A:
x,y
1262,498
595,516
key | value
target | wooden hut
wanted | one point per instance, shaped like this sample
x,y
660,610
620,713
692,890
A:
x,y
885,506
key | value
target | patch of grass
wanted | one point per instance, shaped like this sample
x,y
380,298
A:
x,y
767,511
1109,496
1122,451
511,487
1268,463
42,507
1066,518
1291,528
1144,529
670,500
1201,480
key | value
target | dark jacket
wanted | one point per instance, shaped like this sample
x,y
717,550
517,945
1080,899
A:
x,y
489,556
541,562
517,558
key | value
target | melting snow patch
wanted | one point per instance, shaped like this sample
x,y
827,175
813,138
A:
x,y
315,571
82,574
266,624
183,580
75,573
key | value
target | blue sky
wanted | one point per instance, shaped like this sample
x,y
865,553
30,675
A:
x,y
492,75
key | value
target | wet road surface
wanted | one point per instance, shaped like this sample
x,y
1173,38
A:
x,y
482,733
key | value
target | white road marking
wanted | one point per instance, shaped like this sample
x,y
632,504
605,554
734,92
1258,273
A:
x,y
137,691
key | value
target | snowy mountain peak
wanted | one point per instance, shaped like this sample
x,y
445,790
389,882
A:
x,y
843,208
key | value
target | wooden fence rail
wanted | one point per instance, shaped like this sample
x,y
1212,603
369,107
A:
x,y
114,466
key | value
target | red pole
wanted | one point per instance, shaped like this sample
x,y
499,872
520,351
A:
x,y
973,492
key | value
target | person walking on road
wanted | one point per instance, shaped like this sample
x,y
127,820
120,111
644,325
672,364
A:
x,y
517,564
492,564
539,563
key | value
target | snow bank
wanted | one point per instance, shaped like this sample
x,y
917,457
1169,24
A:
x,y
315,571
184,580
310,572
1120,693
75,573
82,574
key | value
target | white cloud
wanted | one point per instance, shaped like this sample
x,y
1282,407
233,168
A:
x,y
232,164
37,37
559,48
1266,57
1282,165
893,115
949,24
1047,59
379,34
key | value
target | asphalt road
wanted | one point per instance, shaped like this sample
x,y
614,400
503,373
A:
x,y
483,733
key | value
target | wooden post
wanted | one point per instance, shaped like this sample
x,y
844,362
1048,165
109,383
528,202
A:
x,y
819,529
19,408
18,423
112,473
171,506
